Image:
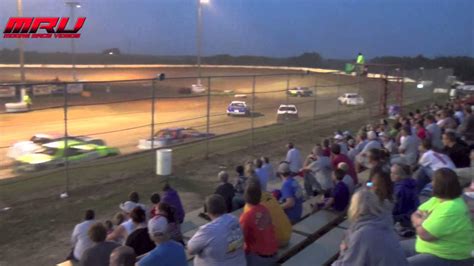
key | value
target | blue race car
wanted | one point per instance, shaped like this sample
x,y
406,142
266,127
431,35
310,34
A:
x,y
238,108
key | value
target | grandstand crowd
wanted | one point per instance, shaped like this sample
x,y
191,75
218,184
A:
x,y
412,210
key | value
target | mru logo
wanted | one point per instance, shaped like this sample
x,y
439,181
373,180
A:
x,y
27,28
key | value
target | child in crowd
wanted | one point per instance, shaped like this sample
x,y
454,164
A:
x,y
340,196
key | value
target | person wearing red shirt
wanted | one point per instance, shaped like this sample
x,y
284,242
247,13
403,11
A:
x,y
261,245
420,130
337,157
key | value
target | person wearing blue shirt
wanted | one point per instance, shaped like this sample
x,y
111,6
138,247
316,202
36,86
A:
x,y
262,174
167,252
291,194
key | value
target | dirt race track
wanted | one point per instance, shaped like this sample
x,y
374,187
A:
x,y
120,113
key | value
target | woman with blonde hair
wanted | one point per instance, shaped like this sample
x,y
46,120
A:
x,y
370,240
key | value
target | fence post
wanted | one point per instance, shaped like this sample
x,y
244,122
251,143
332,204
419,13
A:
x,y
313,126
252,112
153,96
208,115
66,149
287,102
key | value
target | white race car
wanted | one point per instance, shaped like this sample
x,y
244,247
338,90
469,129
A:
x,y
351,99
287,112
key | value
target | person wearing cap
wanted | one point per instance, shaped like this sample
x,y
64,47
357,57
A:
x,y
219,242
99,253
225,189
291,193
293,157
167,252
361,158
340,140
261,245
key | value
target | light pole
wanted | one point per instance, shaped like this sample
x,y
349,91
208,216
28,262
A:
x,y
19,6
199,36
72,8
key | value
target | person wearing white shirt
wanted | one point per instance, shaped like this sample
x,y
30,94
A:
x,y
293,157
80,239
408,150
429,162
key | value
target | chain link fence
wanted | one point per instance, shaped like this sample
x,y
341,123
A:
x,y
134,117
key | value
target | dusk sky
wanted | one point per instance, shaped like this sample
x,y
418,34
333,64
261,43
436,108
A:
x,y
280,28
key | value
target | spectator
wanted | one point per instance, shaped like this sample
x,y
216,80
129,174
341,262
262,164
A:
x,y
382,186
139,240
429,162
372,143
394,132
109,226
458,114
134,197
171,197
293,157
291,193
262,174
340,194
240,183
446,121
99,253
369,239
434,132
340,140
317,172
174,228
458,152
119,218
347,178
225,189
326,147
420,130
79,239
408,149
361,142
261,245
155,200
337,158
377,162
388,144
268,167
123,256
466,129
406,198
443,226
220,241
167,252
280,221
121,233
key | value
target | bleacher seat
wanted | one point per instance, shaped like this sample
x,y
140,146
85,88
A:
x,y
321,252
315,223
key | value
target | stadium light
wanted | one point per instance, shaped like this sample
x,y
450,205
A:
x,y
111,53
205,1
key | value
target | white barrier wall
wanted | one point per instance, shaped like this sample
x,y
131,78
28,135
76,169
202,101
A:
x,y
7,92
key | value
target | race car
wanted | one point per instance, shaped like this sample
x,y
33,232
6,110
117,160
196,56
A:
x,y
170,136
287,112
300,92
351,99
238,108
52,154
21,148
